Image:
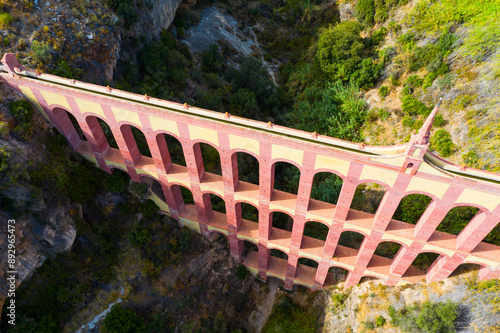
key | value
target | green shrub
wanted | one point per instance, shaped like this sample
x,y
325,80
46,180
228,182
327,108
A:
x,y
4,160
23,112
380,321
439,121
211,59
5,20
117,182
429,317
383,91
120,320
411,208
412,106
288,317
441,142
365,11
149,208
41,52
338,300
369,325
241,272
139,190
139,236
408,121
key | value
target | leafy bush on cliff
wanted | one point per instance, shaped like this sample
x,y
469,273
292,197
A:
x,y
429,317
121,320
441,142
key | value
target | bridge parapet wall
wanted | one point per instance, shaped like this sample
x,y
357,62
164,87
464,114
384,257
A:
x,y
402,170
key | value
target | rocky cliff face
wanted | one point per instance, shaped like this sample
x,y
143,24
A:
x,y
155,17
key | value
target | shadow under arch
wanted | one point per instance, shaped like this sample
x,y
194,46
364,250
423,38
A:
x,y
465,268
423,261
68,126
248,167
368,197
336,275
286,177
170,148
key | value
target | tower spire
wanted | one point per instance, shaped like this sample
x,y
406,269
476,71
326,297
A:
x,y
422,138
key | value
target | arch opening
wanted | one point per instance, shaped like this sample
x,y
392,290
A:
x,y
211,159
465,268
154,186
279,254
286,177
368,278
326,187
282,221
218,204
423,261
368,197
76,125
174,148
69,126
108,133
336,275
457,219
248,168
351,239
387,249
316,230
249,212
308,262
187,195
411,208
493,237
248,247
141,141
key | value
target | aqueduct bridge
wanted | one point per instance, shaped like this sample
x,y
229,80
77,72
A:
x,y
402,170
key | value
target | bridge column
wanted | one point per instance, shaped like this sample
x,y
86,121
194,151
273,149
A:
x,y
332,239
173,197
159,151
444,266
196,170
291,269
404,258
354,277
95,136
229,165
126,143
321,273
235,245
298,230
266,186
348,190
435,213
368,247
478,228
386,209
264,257
65,126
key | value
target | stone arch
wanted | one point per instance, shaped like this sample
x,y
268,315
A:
x,y
214,235
351,239
308,262
249,246
104,138
278,254
368,196
286,176
457,219
218,203
317,230
326,187
336,274
387,249
170,148
367,278
249,211
210,157
411,207
466,267
423,261
281,220
248,166
68,126
186,194
106,129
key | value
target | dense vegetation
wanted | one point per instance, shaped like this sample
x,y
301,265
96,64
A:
x,y
428,317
